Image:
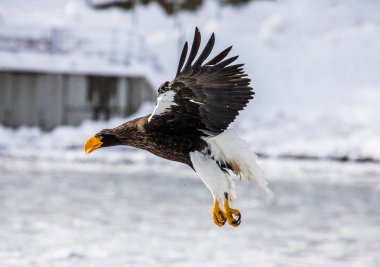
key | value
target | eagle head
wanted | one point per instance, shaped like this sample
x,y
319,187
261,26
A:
x,y
104,138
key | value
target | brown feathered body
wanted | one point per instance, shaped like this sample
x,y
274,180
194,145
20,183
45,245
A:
x,y
140,134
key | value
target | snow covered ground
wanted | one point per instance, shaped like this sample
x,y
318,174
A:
x,y
95,214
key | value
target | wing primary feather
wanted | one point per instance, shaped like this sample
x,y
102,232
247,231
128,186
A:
x,y
219,57
194,49
205,53
234,68
182,59
226,62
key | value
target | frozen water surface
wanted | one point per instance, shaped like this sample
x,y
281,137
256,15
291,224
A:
x,y
100,214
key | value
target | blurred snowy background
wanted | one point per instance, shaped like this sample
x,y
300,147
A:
x,y
314,121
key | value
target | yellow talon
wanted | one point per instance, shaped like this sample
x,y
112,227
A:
x,y
230,214
218,216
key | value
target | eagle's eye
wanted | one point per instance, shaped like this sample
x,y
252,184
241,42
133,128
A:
x,y
108,139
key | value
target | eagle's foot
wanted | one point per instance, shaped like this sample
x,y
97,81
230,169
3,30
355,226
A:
x,y
218,216
230,213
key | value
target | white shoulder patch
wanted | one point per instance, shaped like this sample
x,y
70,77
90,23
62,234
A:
x,y
164,102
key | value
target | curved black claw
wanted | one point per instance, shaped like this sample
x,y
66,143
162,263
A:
x,y
224,219
219,218
231,214
235,222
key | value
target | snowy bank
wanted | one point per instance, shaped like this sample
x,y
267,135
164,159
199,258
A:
x,y
321,136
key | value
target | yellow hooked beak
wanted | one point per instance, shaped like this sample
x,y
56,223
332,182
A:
x,y
92,144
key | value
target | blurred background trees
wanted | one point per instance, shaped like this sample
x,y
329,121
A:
x,y
169,6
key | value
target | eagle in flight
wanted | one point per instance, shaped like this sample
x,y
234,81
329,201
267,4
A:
x,y
189,125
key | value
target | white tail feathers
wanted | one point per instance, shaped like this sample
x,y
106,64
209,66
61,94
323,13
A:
x,y
228,148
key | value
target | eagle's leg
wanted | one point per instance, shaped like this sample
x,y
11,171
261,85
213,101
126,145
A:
x,y
218,216
230,213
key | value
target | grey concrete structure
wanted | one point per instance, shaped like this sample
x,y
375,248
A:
x,y
54,75
48,99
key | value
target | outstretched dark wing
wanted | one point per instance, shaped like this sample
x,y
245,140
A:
x,y
203,97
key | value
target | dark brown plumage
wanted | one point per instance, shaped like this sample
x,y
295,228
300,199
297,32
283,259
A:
x,y
207,98
139,134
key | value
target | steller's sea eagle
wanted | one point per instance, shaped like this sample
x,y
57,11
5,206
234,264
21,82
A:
x,y
189,125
